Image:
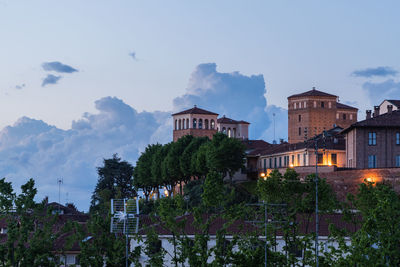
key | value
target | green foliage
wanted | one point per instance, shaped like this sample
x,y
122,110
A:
x,y
115,181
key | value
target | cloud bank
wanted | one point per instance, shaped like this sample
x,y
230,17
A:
x,y
58,67
33,148
379,91
378,72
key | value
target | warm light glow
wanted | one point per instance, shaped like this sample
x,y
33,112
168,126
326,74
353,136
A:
x,y
262,175
166,192
369,180
291,165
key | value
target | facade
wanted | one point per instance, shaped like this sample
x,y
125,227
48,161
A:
x,y
331,152
233,128
388,105
195,121
200,122
312,112
374,142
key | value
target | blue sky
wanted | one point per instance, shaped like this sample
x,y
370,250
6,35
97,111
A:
x,y
348,48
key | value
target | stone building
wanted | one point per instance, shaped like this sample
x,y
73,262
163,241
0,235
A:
x,y
200,122
375,141
312,112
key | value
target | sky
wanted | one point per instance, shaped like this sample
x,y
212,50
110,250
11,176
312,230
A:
x,y
82,80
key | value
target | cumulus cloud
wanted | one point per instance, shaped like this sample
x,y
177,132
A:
x,y
379,91
50,79
233,94
58,67
378,71
19,86
32,148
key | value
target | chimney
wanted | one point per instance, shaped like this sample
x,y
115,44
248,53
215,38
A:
x,y
376,111
368,114
389,108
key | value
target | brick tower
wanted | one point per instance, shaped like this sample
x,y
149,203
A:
x,y
312,112
195,121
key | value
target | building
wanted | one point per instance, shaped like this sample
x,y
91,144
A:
x,y
200,122
312,112
331,153
375,141
387,105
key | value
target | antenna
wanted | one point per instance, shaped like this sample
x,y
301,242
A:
x,y
60,181
274,142
125,218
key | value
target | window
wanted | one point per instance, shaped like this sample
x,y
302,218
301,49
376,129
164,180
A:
x,y
293,159
337,116
212,124
200,124
322,104
295,105
206,124
275,163
398,161
224,130
351,116
155,247
234,132
183,124
299,130
372,139
344,116
305,104
270,162
304,160
372,161
265,165
299,117
330,104
187,124
194,123
298,159
320,158
397,138
333,159
229,132
299,104
180,124
280,162
176,124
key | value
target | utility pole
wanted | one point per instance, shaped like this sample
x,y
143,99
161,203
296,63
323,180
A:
x,y
59,181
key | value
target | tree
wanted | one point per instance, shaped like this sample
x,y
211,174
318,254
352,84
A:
x,y
188,158
115,181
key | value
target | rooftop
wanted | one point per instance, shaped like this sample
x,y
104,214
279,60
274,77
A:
x,y
343,106
389,120
195,110
312,92
394,102
230,121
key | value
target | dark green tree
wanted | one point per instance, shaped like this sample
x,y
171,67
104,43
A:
x,y
115,181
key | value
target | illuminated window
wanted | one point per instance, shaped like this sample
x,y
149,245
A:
x,y
200,124
194,123
229,132
397,138
372,139
224,130
212,124
372,161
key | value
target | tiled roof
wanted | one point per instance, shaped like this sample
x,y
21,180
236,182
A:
x,y
395,102
312,92
385,120
343,106
195,110
230,121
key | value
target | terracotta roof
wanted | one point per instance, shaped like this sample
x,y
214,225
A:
x,y
387,120
395,102
343,106
195,110
227,120
312,92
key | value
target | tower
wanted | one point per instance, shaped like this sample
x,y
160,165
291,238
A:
x,y
195,121
312,112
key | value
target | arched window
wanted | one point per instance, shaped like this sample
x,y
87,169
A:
x,y
224,130
212,124
194,123
180,124
176,124
200,124
229,132
206,124
187,124
234,132
183,124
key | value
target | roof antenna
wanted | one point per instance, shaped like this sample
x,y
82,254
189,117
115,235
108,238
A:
x,y
274,141
313,88
59,181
